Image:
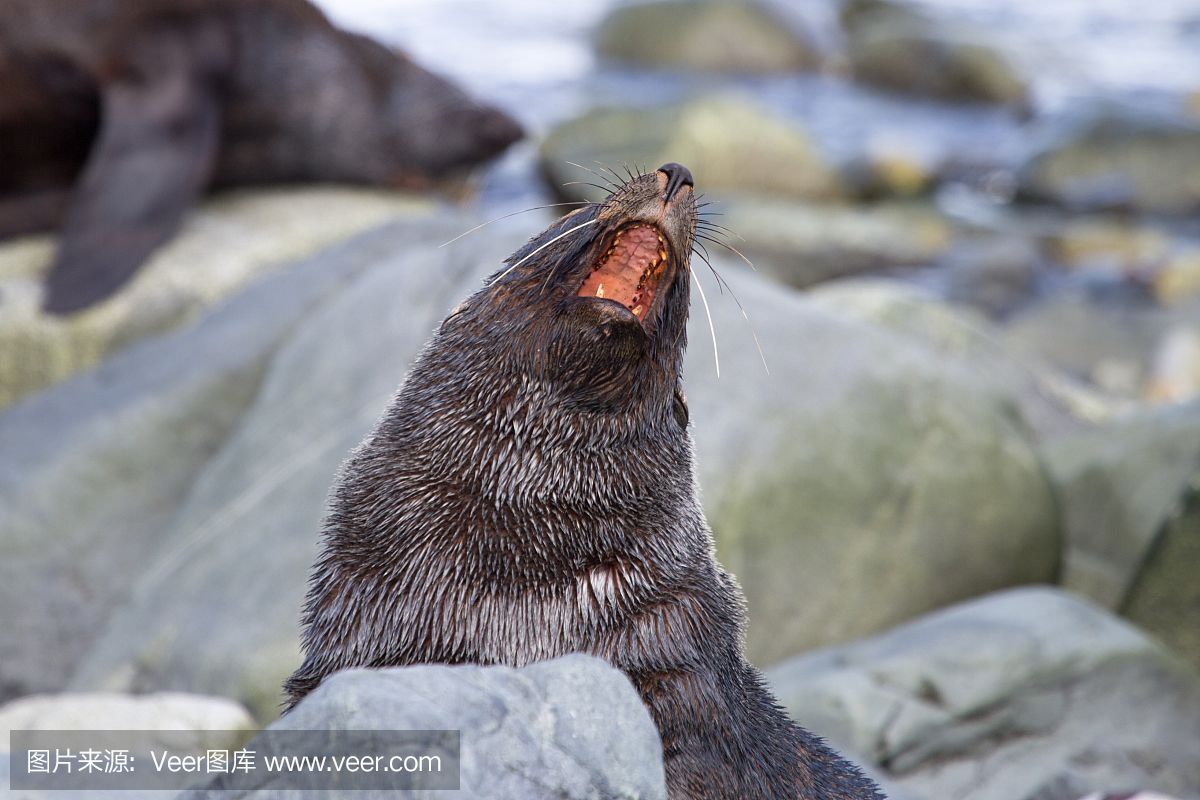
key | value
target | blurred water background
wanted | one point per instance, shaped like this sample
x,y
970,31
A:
x,y
538,60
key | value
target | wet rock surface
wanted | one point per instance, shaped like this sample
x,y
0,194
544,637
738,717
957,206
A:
x,y
1118,158
736,145
225,245
1029,693
94,471
569,728
899,48
732,36
1118,486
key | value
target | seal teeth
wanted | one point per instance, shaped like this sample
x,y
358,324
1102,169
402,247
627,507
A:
x,y
600,290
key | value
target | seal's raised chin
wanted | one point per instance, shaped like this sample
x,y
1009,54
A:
x,y
631,269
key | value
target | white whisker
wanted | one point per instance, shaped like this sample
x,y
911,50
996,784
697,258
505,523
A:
x,y
543,247
513,214
753,334
731,249
711,328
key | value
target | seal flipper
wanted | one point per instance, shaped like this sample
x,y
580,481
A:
x,y
154,155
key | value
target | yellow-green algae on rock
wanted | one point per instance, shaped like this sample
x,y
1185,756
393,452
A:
x,y
225,244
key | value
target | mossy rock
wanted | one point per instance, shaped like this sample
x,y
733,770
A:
x,y
224,245
710,35
1165,598
729,143
905,50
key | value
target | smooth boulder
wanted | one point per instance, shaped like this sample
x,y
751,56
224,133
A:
x,y
197,722
569,729
1119,485
225,245
1115,158
1165,598
803,243
1021,695
1049,404
902,49
1108,342
737,36
867,479
217,605
731,143
93,471
214,719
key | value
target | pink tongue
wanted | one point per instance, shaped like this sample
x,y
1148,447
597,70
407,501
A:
x,y
617,277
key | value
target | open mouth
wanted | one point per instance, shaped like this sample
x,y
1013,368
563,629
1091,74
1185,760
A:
x,y
631,270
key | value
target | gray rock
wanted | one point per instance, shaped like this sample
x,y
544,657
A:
x,y
1109,344
1028,694
217,609
256,233
803,244
563,729
1119,484
902,49
711,35
92,471
1124,796
730,142
1165,598
214,722
864,458
164,711
1114,158
1050,403
7,793
995,275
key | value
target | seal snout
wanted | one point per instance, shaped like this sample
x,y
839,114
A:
x,y
678,176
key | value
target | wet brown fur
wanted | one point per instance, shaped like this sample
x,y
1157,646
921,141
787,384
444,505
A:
x,y
116,114
530,493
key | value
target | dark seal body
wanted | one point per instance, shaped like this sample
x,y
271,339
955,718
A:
x,y
530,493
116,114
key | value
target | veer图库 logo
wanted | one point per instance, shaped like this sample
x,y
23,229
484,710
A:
x,y
291,759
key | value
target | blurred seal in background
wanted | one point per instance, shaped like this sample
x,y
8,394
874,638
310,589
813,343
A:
x,y
116,114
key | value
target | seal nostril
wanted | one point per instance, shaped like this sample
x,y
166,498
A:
x,y
678,176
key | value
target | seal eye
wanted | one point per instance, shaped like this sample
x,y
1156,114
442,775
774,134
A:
x,y
631,270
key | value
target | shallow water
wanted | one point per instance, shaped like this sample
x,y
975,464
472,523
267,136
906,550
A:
x,y
535,59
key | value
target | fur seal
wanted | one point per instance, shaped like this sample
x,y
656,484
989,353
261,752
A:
x,y
530,492
117,114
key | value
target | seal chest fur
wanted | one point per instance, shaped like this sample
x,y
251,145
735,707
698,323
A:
x,y
530,493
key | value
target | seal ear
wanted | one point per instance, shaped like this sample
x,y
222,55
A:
x,y
679,408
155,152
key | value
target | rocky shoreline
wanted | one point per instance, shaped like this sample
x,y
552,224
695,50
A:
x,y
962,497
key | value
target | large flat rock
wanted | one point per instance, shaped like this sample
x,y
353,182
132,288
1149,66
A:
x,y
1022,695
